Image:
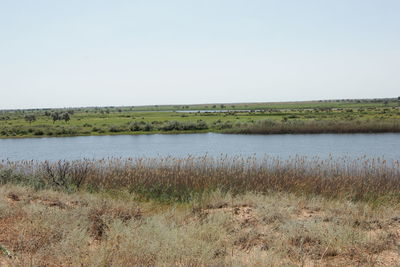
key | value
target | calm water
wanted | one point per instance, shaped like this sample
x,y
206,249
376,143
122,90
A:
x,y
351,145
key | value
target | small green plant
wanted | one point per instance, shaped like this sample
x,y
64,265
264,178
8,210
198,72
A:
x,y
5,251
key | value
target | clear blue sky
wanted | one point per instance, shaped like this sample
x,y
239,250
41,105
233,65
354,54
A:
x,y
95,53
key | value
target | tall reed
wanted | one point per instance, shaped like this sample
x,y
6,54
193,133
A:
x,y
175,179
315,126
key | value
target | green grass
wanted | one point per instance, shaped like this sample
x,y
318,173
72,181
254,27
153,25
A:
x,y
118,120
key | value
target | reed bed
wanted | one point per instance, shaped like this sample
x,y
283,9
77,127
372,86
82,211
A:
x,y
317,126
176,179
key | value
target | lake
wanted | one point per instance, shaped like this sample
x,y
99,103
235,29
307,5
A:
x,y
385,145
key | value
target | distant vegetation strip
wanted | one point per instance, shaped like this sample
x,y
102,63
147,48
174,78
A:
x,y
181,180
267,126
312,104
316,127
297,117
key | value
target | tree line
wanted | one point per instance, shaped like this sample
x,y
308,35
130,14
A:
x,y
55,116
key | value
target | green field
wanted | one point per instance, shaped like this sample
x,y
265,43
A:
x,y
173,119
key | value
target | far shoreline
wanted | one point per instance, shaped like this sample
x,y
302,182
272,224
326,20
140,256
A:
x,y
192,132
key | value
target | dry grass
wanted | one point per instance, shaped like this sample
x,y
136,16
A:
x,y
49,228
200,212
181,180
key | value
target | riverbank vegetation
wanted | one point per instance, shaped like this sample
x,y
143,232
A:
x,y
327,116
314,127
200,211
182,180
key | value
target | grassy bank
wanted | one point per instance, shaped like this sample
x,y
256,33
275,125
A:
x,y
316,127
209,118
200,211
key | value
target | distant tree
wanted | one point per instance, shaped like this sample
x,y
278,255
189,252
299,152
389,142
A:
x,y
30,118
135,126
148,127
55,116
66,117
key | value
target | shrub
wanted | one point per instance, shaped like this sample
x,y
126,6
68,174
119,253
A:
x,y
135,126
38,132
115,129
